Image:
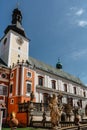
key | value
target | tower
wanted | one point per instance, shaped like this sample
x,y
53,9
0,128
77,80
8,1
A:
x,y
14,45
59,65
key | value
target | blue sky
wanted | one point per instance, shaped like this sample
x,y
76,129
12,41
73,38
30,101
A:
x,y
57,29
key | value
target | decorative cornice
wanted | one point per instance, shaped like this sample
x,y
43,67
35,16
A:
x,y
50,91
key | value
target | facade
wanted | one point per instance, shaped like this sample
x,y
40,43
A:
x,y
21,74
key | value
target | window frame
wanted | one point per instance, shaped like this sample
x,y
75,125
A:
x,y
53,84
65,87
28,92
40,80
28,75
74,89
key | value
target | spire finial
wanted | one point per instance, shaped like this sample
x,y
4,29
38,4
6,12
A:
x,y
58,59
18,3
59,65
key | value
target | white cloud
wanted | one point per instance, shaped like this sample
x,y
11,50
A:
x,y
77,16
79,54
79,12
82,23
73,8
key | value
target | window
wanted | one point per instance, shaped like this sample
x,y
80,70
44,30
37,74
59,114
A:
x,y
11,87
28,89
3,90
53,84
74,90
19,48
3,75
65,87
84,93
18,55
12,101
40,80
29,74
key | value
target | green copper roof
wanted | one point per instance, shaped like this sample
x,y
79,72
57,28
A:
x,y
42,66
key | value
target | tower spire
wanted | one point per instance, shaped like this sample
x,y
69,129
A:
x,y
16,16
16,22
17,5
59,65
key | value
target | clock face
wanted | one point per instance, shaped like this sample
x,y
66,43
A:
x,y
19,40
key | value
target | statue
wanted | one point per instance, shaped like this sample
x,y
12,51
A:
x,y
13,121
31,96
55,112
77,114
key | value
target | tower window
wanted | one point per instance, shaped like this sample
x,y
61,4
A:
x,y
18,55
19,48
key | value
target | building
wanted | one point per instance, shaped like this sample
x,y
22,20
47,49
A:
x,y
21,74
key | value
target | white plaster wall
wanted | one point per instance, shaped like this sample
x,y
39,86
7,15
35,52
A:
x,y
49,83
46,81
14,51
86,93
83,104
61,88
75,102
4,49
71,89
37,97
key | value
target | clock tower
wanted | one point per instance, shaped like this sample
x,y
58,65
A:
x,y
14,45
